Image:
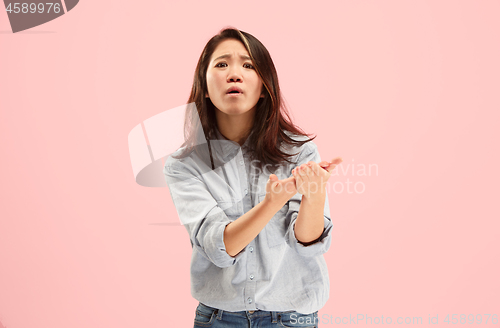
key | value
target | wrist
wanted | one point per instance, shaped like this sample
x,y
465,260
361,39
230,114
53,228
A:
x,y
317,198
274,203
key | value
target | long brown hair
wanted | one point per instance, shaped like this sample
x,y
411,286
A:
x,y
271,116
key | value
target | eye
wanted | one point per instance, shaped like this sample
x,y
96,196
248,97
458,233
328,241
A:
x,y
221,63
251,66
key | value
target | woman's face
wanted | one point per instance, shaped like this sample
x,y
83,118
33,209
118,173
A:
x,y
230,66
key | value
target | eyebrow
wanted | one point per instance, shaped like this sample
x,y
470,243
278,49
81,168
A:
x,y
228,55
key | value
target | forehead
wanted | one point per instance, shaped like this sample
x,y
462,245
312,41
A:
x,y
231,47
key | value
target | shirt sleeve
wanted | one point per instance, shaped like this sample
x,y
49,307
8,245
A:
x,y
322,244
199,212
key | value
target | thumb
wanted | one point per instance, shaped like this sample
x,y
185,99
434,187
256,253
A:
x,y
273,179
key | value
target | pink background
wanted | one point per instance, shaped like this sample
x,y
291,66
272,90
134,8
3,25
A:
x,y
409,86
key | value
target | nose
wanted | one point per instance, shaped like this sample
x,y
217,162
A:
x,y
234,75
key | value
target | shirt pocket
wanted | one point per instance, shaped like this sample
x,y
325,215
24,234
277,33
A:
x,y
275,230
231,207
225,195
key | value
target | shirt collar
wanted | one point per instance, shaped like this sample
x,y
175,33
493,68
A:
x,y
227,148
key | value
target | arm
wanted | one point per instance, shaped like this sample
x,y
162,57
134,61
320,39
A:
x,y
310,227
310,221
311,179
239,233
317,246
210,230
200,214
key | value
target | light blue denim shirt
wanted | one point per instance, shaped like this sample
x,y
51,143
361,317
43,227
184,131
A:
x,y
274,272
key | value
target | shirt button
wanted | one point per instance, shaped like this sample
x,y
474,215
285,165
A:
x,y
249,300
246,191
250,248
251,277
241,162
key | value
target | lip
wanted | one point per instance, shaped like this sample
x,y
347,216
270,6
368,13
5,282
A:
x,y
234,88
234,94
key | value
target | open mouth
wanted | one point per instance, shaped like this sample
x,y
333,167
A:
x,y
234,91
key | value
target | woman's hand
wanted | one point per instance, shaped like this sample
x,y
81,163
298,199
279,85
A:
x,y
311,178
280,191
329,166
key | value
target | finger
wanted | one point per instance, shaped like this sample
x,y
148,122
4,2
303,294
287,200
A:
x,y
276,186
304,170
300,170
324,166
273,182
291,182
324,163
308,170
273,177
298,181
289,179
336,160
315,168
331,167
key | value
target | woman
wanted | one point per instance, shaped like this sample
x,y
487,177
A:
x,y
250,189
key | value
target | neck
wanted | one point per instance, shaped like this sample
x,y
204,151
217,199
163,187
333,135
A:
x,y
235,127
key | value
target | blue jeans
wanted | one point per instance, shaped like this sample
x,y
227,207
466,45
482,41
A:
x,y
207,316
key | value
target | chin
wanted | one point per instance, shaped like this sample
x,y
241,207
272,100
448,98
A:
x,y
234,111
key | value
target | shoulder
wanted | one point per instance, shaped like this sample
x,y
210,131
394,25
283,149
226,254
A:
x,y
190,164
174,164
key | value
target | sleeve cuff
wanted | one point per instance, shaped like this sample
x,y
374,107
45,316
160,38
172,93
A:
x,y
318,247
214,243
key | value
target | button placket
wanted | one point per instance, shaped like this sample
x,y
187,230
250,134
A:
x,y
250,284
251,259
